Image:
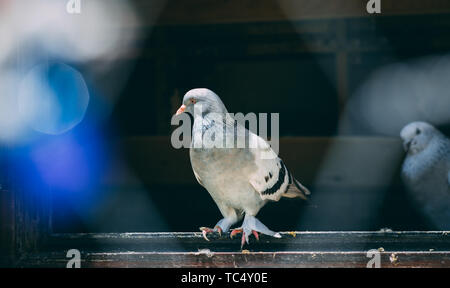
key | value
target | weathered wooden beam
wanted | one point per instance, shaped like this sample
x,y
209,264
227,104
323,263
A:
x,y
357,259
305,249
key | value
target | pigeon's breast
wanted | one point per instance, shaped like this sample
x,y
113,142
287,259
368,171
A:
x,y
426,178
224,173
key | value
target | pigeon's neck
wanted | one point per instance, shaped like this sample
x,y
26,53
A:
x,y
212,120
210,107
212,127
418,164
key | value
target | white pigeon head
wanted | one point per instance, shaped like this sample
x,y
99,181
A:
x,y
416,136
203,99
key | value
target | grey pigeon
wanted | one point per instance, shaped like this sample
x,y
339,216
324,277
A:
x,y
240,180
426,171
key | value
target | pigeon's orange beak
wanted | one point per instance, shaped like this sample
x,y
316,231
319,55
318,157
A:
x,y
181,109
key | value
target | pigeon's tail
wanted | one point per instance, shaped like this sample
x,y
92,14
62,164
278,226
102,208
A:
x,y
296,190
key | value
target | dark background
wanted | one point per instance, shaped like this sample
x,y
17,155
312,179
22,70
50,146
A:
x,y
306,70
257,59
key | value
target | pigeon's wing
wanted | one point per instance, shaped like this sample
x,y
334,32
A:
x,y
271,179
197,176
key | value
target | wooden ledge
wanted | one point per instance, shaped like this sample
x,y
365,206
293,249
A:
x,y
189,249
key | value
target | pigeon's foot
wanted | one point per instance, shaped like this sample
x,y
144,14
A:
x,y
244,238
206,230
251,225
240,230
222,226
235,231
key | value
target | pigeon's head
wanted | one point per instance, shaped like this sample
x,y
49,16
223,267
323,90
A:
x,y
203,100
416,136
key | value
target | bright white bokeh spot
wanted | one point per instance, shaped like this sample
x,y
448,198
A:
x,y
53,98
103,29
398,94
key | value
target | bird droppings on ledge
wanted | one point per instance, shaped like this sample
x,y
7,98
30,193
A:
x,y
393,258
206,252
386,230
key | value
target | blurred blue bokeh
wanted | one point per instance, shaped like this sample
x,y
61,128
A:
x,y
53,98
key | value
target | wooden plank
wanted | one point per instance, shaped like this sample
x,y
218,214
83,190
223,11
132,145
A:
x,y
291,241
185,12
358,259
306,249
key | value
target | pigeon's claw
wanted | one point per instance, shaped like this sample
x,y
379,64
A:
x,y
206,230
243,239
236,231
204,235
219,230
244,235
255,233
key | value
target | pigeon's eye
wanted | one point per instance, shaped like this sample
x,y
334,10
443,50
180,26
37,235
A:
x,y
418,131
193,101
